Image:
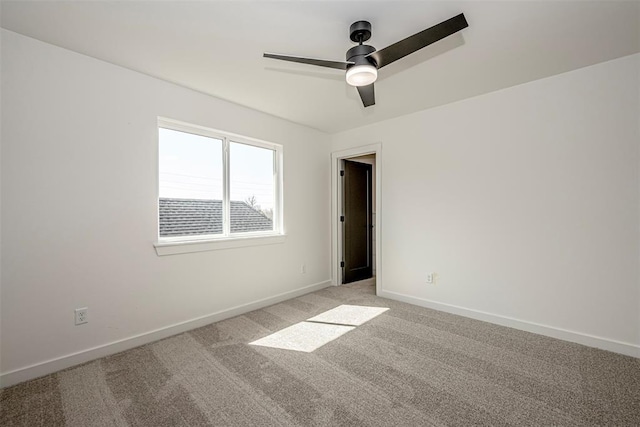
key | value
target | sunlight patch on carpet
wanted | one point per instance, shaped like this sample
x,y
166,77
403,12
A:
x,y
354,315
303,336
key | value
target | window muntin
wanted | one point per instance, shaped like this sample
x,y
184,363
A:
x,y
214,185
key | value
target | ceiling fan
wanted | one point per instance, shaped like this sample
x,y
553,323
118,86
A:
x,y
364,61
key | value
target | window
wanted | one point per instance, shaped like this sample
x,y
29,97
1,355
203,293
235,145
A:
x,y
216,186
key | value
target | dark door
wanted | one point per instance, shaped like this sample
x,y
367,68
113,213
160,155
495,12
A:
x,y
357,242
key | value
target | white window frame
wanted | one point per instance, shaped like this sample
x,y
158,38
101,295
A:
x,y
185,244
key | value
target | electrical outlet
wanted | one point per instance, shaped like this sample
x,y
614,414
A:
x,y
431,278
303,269
81,315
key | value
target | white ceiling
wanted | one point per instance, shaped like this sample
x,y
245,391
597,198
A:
x,y
216,47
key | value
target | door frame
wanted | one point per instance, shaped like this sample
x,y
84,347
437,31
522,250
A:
x,y
336,207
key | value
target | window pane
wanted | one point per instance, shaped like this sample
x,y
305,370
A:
x,y
190,170
251,188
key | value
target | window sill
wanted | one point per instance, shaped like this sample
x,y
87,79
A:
x,y
191,246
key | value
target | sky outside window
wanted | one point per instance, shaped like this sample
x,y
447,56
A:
x,y
251,171
191,168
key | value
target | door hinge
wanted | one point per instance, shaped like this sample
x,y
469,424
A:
x,y
341,173
341,218
342,264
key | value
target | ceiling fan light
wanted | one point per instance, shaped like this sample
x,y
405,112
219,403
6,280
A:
x,y
362,75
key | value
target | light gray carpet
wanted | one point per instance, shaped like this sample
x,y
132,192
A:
x,y
409,366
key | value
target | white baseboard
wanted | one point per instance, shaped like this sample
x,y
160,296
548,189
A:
x,y
627,349
10,378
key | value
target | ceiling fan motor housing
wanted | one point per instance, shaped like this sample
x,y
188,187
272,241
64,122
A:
x,y
357,55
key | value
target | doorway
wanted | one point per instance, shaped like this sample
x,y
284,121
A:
x,y
355,221
357,218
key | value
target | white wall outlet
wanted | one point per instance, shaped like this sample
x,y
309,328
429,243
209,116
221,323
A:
x,y
81,315
431,278
303,269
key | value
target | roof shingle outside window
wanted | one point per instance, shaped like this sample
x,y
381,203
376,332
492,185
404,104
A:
x,y
192,217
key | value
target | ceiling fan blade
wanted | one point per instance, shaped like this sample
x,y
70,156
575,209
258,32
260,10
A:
x,y
339,65
367,95
419,40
